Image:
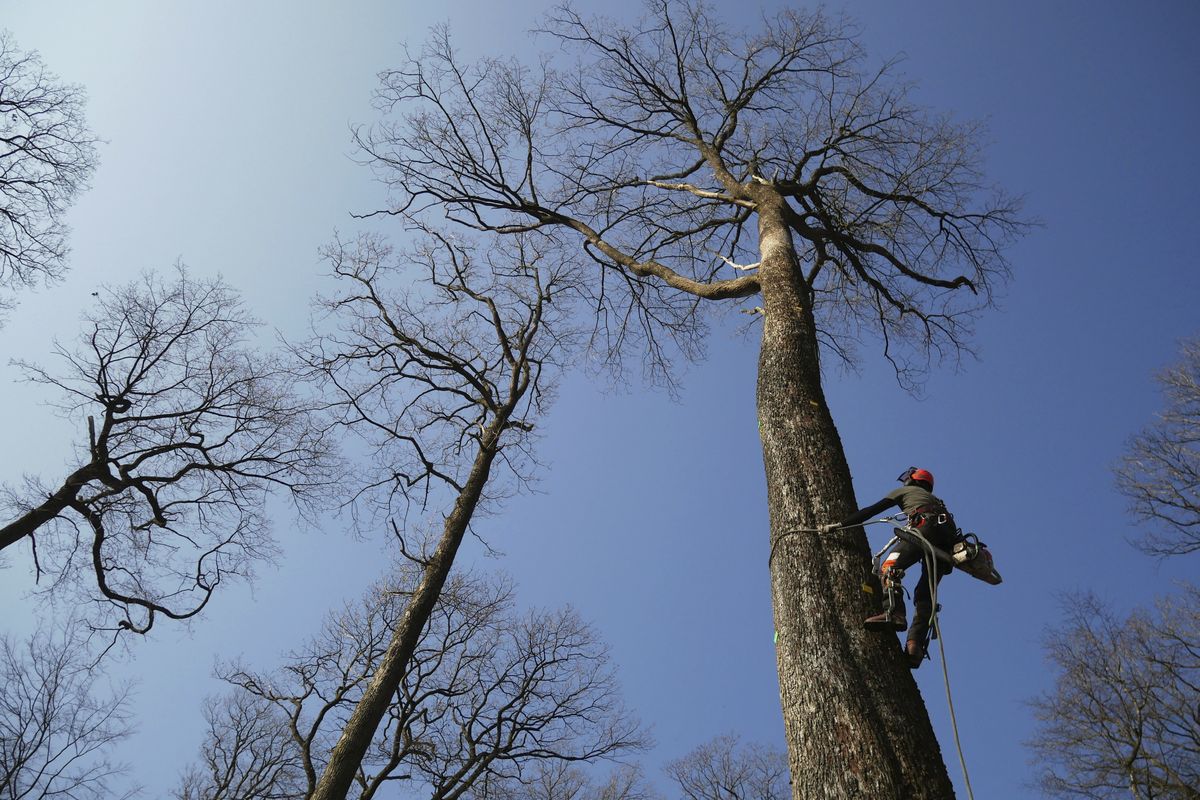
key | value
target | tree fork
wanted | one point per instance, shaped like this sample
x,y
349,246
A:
x,y
855,723
54,504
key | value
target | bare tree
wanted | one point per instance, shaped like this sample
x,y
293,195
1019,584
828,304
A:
x,y
560,780
189,426
56,726
691,163
443,380
1160,475
249,753
1123,719
47,155
723,769
487,697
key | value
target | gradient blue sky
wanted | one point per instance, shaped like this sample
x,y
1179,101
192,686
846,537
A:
x,y
227,146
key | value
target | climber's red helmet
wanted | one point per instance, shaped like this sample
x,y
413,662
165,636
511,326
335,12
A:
x,y
917,474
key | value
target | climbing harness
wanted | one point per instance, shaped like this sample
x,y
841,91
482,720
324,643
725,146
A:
x,y
967,554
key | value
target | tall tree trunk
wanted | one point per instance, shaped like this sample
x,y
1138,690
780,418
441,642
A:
x,y
351,748
855,723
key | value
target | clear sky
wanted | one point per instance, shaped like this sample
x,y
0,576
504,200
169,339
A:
x,y
226,129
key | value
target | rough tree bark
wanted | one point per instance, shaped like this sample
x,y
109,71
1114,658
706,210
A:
x,y
852,713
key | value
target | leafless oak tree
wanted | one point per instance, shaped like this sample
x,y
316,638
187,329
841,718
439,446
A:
x,y
47,155
723,769
488,697
189,426
1160,475
1124,717
443,380
692,163
56,725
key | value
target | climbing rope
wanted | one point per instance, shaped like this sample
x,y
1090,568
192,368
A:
x,y
794,531
931,576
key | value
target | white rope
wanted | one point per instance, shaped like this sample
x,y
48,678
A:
x,y
931,575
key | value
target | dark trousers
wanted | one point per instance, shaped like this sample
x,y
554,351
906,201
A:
x,y
903,556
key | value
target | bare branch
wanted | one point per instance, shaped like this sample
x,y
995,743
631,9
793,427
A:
x,y
563,781
785,119
487,696
56,725
47,155
723,768
739,267
1160,475
190,427
420,373
1122,720
444,381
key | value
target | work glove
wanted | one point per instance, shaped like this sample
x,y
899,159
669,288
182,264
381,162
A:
x,y
828,527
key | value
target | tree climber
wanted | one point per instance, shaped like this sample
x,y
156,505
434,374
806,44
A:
x,y
928,515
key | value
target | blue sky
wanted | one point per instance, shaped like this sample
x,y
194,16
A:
x,y
227,146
